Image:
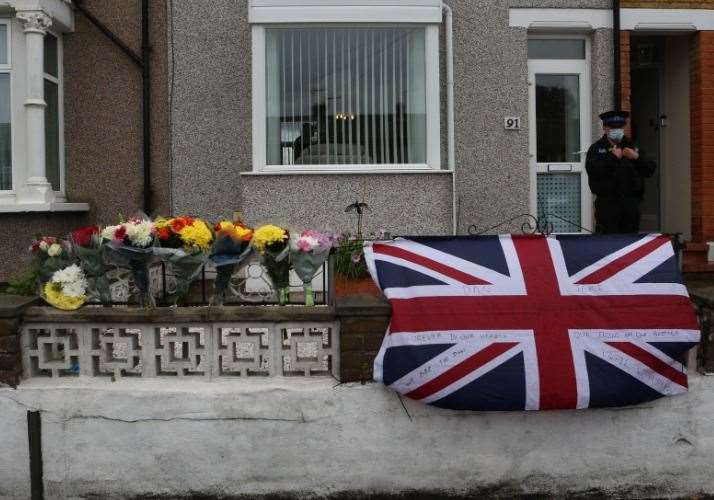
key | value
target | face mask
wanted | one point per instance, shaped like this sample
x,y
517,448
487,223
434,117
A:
x,y
615,134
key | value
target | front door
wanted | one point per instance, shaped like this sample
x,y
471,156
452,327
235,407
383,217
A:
x,y
559,111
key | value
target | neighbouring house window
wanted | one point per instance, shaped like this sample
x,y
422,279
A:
x,y
5,112
52,111
357,96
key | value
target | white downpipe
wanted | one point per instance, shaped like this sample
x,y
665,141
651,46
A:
x,y
449,31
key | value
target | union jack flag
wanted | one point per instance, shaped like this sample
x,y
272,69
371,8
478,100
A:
x,y
533,322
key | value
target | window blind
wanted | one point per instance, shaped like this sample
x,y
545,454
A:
x,y
341,96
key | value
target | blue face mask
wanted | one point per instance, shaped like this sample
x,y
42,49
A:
x,y
615,134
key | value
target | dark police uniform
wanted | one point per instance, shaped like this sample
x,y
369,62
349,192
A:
x,y
618,184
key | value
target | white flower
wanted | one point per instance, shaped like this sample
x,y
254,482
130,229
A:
x,y
54,250
72,281
44,246
108,232
140,233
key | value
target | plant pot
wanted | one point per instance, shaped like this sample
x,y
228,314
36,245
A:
x,y
345,287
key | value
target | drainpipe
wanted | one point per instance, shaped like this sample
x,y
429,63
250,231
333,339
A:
x,y
142,63
617,54
146,104
449,31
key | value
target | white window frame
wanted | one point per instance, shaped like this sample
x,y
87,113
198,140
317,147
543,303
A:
x,y
59,80
563,66
8,69
433,111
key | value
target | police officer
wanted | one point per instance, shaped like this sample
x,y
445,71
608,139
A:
x,y
616,176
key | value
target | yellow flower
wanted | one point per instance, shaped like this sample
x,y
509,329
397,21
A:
x,y
266,235
235,231
162,222
54,296
197,235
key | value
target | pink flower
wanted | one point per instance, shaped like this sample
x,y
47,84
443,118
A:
x,y
303,245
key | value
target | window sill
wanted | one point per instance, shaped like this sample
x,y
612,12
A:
x,y
346,171
16,208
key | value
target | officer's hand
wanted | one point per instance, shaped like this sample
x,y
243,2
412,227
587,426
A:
x,y
630,154
617,152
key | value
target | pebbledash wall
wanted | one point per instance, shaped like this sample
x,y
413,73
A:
x,y
103,128
212,135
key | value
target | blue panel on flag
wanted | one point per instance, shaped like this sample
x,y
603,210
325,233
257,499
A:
x,y
667,272
398,361
583,250
485,250
675,350
610,386
501,389
400,276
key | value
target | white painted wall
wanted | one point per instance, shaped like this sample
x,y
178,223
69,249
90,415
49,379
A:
x,y
304,436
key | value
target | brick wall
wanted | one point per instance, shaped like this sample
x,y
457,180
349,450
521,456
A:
x,y
669,4
11,309
363,322
702,126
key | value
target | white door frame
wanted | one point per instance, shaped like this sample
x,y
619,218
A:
x,y
580,67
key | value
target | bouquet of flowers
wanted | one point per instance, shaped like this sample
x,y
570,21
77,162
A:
x,y
87,247
49,254
230,249
66,289
184,242
272,243
308,253
129,245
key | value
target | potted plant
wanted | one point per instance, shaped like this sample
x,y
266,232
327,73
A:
x,y
351,274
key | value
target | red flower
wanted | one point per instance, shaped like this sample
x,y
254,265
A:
x,y
83,236
178,223
120,233
164,233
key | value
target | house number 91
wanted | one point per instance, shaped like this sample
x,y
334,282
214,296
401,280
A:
x,y
512,123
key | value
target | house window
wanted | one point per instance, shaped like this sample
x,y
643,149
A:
x,y
6,182
346,98
53,163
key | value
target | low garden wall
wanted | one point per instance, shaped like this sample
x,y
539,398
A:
x,y
239,402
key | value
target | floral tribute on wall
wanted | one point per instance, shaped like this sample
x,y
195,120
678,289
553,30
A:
x,y
273,244
231,249
308,253
184,242
80,269
129,245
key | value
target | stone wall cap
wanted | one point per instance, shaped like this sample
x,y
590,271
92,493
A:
x,y
13,305
362,304
174,315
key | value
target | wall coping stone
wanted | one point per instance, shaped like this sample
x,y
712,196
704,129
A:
x,y
203,314
362,304
12,306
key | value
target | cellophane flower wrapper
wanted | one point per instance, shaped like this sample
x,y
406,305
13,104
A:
x,y
228,254
277,263
66,289
91,258
306,265
137,260
130,246
185,267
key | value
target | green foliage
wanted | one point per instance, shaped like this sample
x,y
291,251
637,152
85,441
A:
x,y
349,259
26,284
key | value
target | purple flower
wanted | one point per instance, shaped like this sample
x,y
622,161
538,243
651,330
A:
x,y
356,257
